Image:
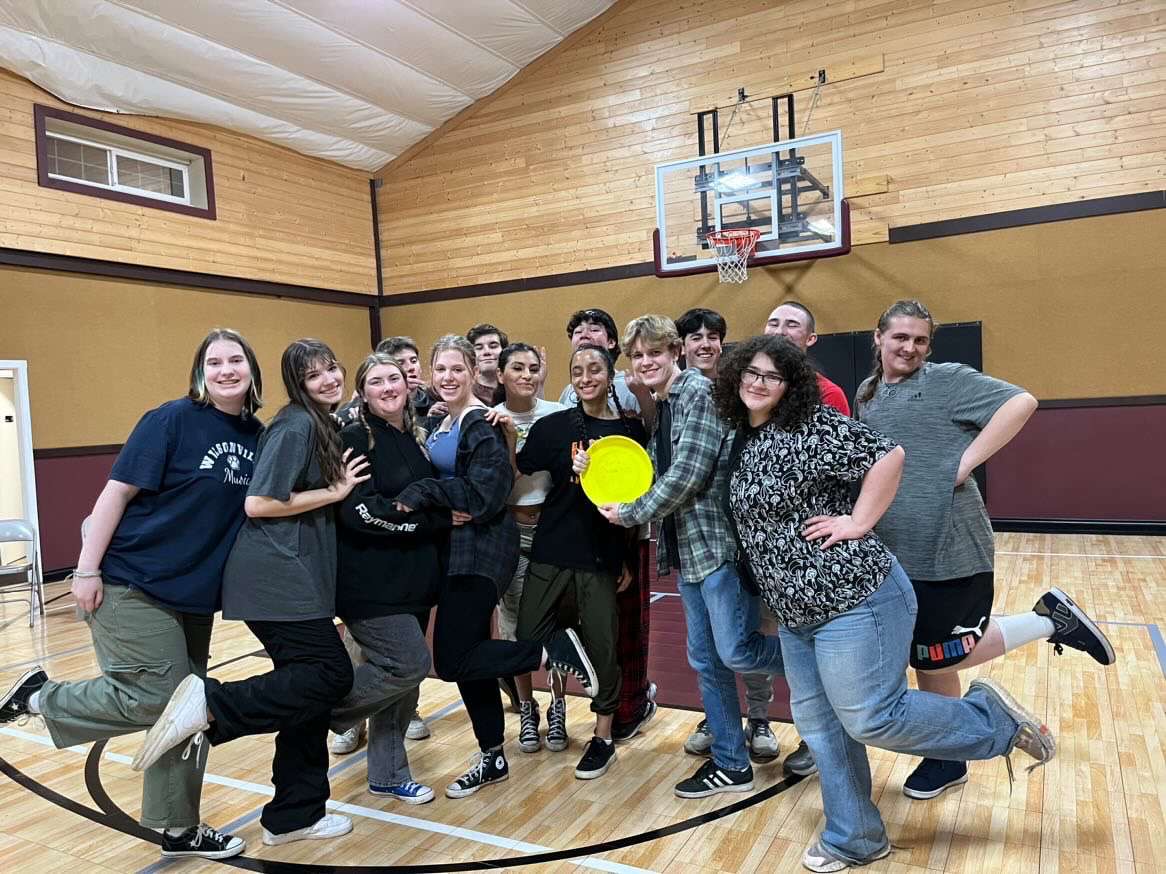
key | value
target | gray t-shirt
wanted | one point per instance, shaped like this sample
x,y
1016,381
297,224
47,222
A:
x,y
627,400
284,569
937,531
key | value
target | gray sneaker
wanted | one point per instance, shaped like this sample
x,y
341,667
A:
x,y
700,742
1032,736
800,762
761,742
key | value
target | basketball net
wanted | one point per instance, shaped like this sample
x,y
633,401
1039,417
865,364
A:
x,y
733,249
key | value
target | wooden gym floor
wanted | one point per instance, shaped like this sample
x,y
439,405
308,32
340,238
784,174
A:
x,y
1097,807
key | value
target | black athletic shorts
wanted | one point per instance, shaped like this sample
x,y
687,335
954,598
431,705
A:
x,y
953,616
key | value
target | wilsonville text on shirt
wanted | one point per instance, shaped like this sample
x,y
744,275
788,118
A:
x,y
233,451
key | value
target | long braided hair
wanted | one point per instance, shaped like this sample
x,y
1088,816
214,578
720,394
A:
x,y
908,307
412,426
580,417
298,358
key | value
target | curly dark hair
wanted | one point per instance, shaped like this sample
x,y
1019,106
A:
x,y
801,386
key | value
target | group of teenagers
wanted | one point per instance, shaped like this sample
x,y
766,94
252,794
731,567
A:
x,y
827,546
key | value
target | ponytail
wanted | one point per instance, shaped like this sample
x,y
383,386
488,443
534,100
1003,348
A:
x,y
907,307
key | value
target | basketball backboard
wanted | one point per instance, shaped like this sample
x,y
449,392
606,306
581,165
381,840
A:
x,y
790,190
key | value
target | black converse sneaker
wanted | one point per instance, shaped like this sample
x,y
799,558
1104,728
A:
x,y
566,655
201,842
557,738
14,705
489,767
528,739
712,780
597,758
1074,628
621,732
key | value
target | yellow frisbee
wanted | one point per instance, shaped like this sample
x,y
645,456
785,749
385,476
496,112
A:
x,y
620,471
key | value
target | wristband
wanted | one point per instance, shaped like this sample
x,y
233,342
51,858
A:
x,y
84,575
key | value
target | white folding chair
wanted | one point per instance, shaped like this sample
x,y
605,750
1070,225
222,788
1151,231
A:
x,y
26,569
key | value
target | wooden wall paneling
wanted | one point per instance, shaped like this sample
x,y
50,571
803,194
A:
x,y
282,217
963,106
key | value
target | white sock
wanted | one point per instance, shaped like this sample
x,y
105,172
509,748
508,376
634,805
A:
x,y
174,832
34,702
1024,628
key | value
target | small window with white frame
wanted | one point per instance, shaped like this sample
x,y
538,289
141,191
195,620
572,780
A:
x,y
90,156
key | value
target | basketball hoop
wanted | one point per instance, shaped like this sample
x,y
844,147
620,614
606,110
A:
x,y
733,249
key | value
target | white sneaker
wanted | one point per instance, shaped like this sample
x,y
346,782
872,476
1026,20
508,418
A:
x,y
349,741
184,717
417,729
331,825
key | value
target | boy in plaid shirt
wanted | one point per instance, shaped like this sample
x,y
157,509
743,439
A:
x,y
696,540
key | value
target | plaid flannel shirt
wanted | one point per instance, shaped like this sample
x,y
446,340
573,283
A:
x,y
691,487
488,546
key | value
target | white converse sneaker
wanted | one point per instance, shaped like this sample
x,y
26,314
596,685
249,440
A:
x,y
349,741
417,729
185,717
330,825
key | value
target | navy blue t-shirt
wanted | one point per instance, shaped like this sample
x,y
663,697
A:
x,y
193,464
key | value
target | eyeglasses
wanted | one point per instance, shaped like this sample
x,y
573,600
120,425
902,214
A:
x,y
749,376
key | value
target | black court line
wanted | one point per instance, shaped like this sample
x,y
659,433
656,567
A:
x,y
115,818
258,653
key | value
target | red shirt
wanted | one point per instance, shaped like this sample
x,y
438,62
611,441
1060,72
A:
x,y
833,396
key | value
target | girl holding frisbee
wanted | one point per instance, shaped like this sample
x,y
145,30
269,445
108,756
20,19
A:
x,y
576,556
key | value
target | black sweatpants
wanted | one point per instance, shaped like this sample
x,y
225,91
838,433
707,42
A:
x,y
312,673
464,653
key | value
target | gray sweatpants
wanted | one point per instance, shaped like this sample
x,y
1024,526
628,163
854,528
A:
x,y
759,687
385,689
145,650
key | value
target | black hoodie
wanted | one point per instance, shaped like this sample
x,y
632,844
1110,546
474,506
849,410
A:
x,y
389,562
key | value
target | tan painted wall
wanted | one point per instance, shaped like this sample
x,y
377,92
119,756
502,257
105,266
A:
x,y
282,217
101,351
948,109
1070,309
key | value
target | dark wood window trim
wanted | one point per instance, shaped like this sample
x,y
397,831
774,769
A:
x,y
42,113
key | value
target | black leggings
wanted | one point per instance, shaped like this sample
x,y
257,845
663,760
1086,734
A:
x,y
464,653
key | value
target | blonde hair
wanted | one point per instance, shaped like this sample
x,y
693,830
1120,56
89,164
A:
x,y
454,343
651,329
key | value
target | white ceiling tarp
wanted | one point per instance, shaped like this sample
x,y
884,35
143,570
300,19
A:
x,y
352,81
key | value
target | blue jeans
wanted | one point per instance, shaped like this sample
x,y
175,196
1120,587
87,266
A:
x,y
723,637
848,687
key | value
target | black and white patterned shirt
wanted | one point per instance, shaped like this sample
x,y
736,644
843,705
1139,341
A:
x,y
780,480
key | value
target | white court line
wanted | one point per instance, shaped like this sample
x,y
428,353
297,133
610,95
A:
x,y
368,812
1081,555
